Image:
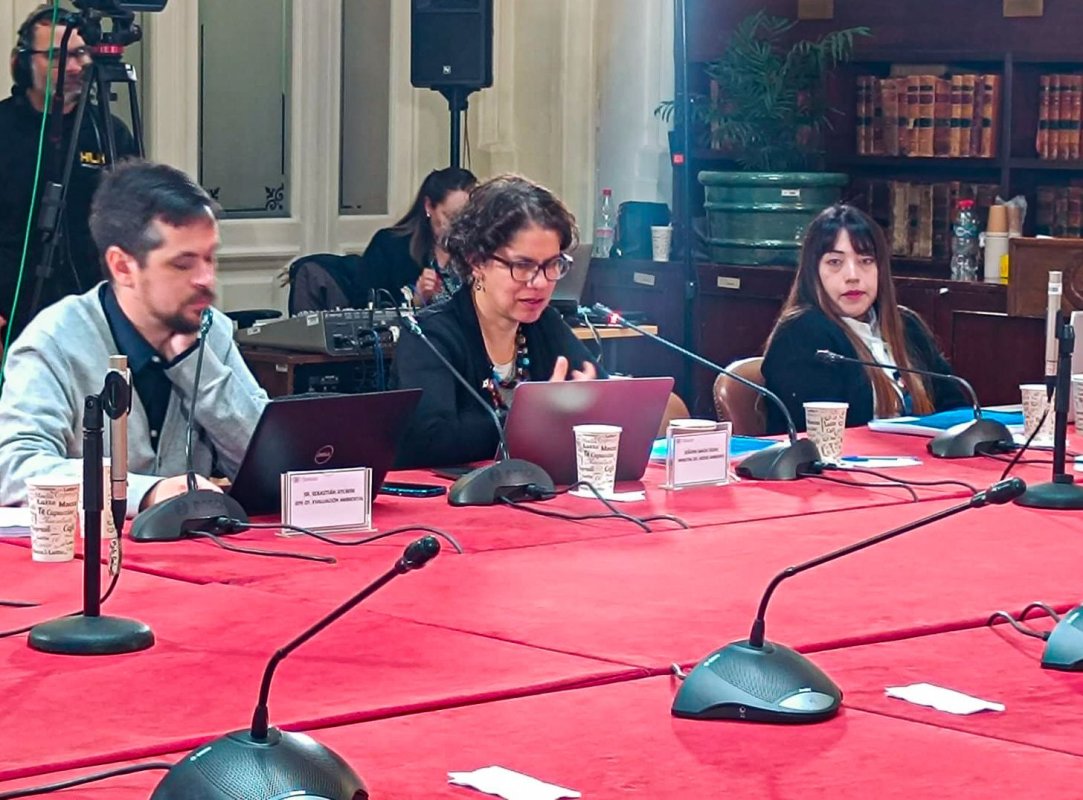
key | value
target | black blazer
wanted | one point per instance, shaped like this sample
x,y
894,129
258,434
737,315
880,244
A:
x,y
791,371
449,426
387,263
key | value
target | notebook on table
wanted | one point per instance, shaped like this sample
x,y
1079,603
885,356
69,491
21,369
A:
x,y
932,424
540,422
321,431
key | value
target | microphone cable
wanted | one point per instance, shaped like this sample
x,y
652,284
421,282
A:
x,y
1026,630
904,481
535,493
18,604
228,525
584,313
1019,453
255,551
891,484
73,782
27,628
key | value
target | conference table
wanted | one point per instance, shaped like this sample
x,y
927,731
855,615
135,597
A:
x,y
547,645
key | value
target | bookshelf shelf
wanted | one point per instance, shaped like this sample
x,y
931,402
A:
x,y
1044,164
917,162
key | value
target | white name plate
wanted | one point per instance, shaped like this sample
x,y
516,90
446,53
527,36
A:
x,y
328,500
698,458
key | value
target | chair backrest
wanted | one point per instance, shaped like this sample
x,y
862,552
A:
x,y
323,282
737,403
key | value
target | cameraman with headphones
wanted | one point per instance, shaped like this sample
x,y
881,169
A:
x,y
75,266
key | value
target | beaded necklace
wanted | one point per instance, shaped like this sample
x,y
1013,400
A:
x,y
494,383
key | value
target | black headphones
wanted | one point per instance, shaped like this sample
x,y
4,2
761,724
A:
x,y
21,70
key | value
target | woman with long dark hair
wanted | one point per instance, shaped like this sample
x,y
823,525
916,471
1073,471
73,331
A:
x,y
509,246
843,300
411,253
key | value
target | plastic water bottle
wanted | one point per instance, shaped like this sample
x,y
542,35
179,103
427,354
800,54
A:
x,y
604,224
964,243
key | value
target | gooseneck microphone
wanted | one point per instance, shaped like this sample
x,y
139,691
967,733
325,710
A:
x,y
506,478
959,441
779,462
760,681
177,516
286,764
1054,291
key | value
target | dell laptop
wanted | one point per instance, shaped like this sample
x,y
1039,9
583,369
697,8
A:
x,y
321,431
539,425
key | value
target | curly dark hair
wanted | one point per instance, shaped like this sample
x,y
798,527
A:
x,y
497,210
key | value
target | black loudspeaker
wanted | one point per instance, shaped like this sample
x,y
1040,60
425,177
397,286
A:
x,y
451,43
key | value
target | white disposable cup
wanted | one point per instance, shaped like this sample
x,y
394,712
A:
x,y
661,240
825,423
678,425
54,517
596,449
996,246
1035,401
1077,400
108,527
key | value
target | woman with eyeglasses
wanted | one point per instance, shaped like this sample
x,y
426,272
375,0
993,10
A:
x,y
509,245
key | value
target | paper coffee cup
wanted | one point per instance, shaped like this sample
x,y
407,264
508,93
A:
x,y
661,240
596,448
54,517
996,247
998,219
825,423
1035,401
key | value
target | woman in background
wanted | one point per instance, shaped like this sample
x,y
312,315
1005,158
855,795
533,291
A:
x,y
508,245
843,300
411,253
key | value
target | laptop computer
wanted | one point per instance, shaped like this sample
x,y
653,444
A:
x,y
539,425
318,431
568,293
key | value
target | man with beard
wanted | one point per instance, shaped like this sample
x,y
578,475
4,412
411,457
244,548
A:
x,y
158,237
75,264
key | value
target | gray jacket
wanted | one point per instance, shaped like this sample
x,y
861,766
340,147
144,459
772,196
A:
x,y
63,355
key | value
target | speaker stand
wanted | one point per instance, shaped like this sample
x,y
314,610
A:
x,y
457,105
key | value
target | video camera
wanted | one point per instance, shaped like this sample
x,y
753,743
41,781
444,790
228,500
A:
x,y
115,7
124,32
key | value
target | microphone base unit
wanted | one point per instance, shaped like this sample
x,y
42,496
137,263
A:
x,y
90,636
745,683
1060,494
785,461
1064,647
512,479
970,438
172,519
285,765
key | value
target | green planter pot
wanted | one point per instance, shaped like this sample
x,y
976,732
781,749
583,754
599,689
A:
x,y
760,217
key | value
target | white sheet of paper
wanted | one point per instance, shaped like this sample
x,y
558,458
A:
x,y
616,497
927,694
15,517
509,784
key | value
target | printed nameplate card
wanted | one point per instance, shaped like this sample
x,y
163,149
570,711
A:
x,y
698,458
328,500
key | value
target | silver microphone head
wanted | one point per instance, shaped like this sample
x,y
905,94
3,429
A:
x,y
206,319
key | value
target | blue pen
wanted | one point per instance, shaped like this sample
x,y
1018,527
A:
x,y
868,459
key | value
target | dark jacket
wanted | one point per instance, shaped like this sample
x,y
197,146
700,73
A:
x,y
450,426
387,263
791,371
76,267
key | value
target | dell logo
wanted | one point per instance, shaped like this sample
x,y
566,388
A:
x,y
324,454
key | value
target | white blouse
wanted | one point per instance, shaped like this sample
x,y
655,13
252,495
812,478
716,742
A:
x,y
869,333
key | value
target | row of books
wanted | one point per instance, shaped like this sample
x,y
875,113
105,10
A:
x,y
1060,116
926,115
1060,210
917,217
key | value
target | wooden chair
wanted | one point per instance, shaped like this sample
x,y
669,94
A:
x,y
737,403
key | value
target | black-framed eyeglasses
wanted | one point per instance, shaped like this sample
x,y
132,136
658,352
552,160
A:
x,y
79,53
524,270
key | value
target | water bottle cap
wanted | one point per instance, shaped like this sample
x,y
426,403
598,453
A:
x,y
607,192
966,204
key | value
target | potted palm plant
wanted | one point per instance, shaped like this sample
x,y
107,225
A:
x,y
767,112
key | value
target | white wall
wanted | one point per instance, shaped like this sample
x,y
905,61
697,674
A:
x,y
575,82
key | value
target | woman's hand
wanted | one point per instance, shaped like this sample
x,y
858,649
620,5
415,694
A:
x,y
427,286
560,371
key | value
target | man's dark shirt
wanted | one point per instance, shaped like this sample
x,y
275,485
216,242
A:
x,y
146,365
76,267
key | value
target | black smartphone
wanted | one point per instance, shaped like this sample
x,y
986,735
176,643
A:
x,y
412,489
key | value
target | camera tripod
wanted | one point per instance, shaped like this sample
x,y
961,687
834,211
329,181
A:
x,y
103,73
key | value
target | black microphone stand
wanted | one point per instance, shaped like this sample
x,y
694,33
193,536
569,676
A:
x,y
785,461
90,633
1062,492
280,763
756,680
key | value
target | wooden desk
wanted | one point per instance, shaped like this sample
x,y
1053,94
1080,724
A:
x,y
282,372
